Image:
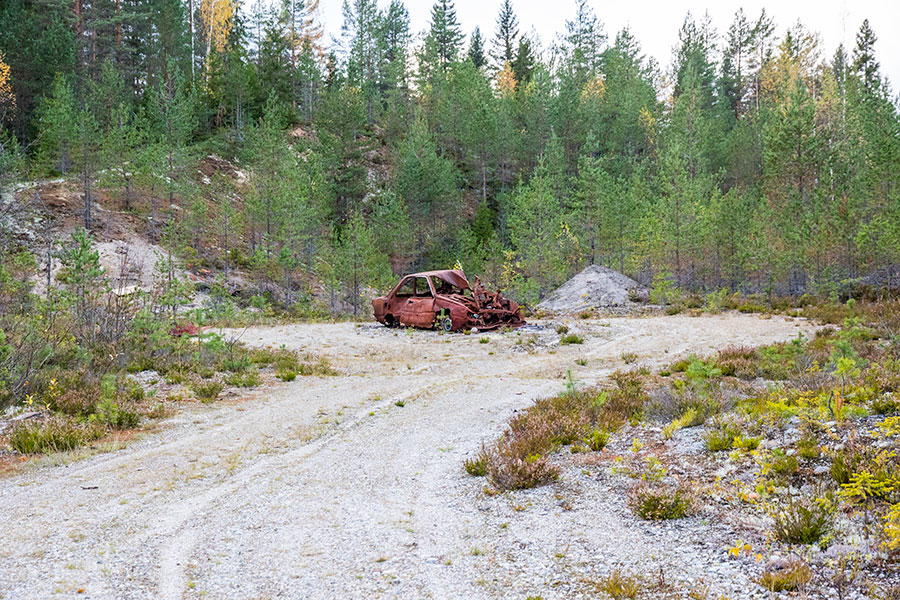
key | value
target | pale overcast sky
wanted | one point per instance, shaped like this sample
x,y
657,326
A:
x,y
655,24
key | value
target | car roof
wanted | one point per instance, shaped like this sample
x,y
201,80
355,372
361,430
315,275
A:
x,y
454,277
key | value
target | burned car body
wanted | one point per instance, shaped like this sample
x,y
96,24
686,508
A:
x,y
445,299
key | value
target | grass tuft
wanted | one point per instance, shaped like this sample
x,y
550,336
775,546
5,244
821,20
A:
x,y
571,338
789,578
802,522
619,586
51,435
655,501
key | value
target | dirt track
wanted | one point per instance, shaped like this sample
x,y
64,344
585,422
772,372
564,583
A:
x,y
326,488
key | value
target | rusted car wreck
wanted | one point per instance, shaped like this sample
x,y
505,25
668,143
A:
x,y
445,300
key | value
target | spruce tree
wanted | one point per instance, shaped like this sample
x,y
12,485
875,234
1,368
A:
x,y
506,37
444,34
523,65
864,63
476,49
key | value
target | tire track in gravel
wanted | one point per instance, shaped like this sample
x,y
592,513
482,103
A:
x,y
174,554
262,499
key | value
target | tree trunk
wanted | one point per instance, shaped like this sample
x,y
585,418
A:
x,y
86,183
79,32
191,27
118,30
153,218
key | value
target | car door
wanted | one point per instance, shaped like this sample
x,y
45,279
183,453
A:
x,y
418,311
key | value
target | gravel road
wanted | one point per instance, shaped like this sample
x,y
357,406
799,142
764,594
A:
x,y
329,488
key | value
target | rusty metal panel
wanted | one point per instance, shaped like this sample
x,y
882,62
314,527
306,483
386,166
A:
x,y
418,312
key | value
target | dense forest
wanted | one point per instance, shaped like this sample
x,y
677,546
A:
x,y
752,163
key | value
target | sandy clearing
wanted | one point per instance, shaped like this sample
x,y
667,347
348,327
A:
x,y
324,487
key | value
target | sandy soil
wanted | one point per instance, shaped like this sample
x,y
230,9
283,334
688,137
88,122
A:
x,y
326,488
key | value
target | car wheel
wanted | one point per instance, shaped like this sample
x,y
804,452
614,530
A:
x,y
446,324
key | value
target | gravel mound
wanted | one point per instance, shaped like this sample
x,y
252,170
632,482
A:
x,y
595,286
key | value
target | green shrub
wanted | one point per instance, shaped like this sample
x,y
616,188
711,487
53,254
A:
x,y
802,522
722,437
688,419
108,413
808,447
286,375
885,404
249,378
681,365
263,357
175,376
747,443
662,290
782,464
136,392
562,329
236,362
655,501
625,402
207,392
571,338
597,439
751,308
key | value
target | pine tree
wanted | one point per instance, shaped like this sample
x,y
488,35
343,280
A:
x,y
735,56
361,264
506,37
172,107
535,223
117,149
583,40
426,181
360,31
58,131
85,156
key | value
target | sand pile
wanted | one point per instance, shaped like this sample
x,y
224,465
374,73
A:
x,y
596,286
